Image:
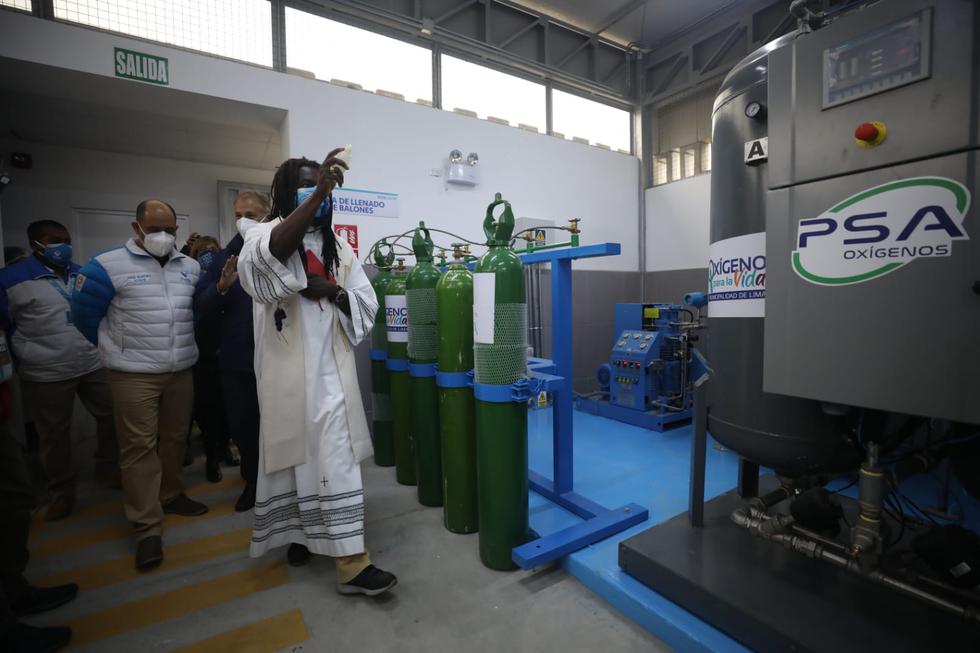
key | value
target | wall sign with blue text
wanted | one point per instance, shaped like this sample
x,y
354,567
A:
x,y
365,203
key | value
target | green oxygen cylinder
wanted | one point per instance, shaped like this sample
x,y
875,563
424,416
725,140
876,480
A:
x,y
500,359
454,304
423,345
384,439
396,321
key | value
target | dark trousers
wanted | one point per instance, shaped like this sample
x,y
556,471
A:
x,y
16,503
209,410
242,407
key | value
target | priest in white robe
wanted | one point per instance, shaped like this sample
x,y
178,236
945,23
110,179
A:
x,y
313,303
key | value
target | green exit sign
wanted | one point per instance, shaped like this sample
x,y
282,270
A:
x,y
142,67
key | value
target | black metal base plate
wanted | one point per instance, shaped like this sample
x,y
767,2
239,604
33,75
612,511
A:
x,y
771,599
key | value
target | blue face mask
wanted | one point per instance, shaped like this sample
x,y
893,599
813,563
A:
x,y
58,255
205,259
322,212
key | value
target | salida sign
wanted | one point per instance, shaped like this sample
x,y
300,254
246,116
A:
x,y
142,67
880,229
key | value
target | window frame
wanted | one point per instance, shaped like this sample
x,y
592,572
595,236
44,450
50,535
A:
x,y
457,54
628,108
352,21
163,44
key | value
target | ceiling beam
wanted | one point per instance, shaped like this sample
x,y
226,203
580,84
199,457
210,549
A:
x,y
612,73
723,49
784,25
463,6
519,33
618,15
678,64
578,48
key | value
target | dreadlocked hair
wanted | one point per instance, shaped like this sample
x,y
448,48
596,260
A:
x,y
283,192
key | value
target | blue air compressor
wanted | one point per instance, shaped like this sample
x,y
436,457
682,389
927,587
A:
x,y
652,366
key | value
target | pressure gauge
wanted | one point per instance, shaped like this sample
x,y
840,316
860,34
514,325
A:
x,y
755,111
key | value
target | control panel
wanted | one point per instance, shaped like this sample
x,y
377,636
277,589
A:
x,y
632,361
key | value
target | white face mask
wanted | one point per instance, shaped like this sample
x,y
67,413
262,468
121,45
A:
x,y
244,224
159,243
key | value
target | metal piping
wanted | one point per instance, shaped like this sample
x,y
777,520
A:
x,y
773,527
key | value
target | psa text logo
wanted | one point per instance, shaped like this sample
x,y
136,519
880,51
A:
x,y
880,229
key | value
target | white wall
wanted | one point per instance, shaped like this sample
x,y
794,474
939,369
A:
x,y
677,217
63,179
396,143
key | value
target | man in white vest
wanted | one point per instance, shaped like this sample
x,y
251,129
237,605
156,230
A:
x,y
136,304
313,303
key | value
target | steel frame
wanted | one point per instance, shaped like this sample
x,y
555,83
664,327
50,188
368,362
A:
x,y
556,376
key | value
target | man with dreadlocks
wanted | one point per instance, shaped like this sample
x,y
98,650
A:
x,y
313,303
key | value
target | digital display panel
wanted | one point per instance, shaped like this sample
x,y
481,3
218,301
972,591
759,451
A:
x,y
895,55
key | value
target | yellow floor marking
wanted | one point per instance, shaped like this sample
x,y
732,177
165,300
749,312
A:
x,y
272,634
177,603
98,575
116,505
120,531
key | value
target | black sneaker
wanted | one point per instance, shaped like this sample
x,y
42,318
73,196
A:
x,y
370,582
212,470
184,506
149,552
297,555
247,499
21,638
42,599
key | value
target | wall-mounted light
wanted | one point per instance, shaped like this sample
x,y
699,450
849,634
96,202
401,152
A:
x,y
463,173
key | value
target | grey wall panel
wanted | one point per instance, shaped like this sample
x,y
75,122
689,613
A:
x,y
667,286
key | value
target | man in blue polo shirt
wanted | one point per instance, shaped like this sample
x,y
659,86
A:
x,y
54,361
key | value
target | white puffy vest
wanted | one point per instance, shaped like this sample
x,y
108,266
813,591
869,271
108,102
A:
x,y
149,326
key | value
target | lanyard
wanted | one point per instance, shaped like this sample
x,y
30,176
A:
x,y
62,289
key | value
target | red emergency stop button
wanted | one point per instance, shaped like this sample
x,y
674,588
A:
x,y
870,134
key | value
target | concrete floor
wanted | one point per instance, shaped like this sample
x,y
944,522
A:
x,y
208,591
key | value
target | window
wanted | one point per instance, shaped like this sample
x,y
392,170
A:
x,y
23,5
660,168
706,156
356,55
690,158
675,165
599,123
490,93
238,29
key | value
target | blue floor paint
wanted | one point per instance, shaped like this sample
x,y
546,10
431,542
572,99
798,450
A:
x,y
615,464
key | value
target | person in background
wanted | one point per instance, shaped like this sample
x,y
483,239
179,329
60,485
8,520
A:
x,y
209,412
54,362
220,299
313,304
18,598
189,243
135,303
12,254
